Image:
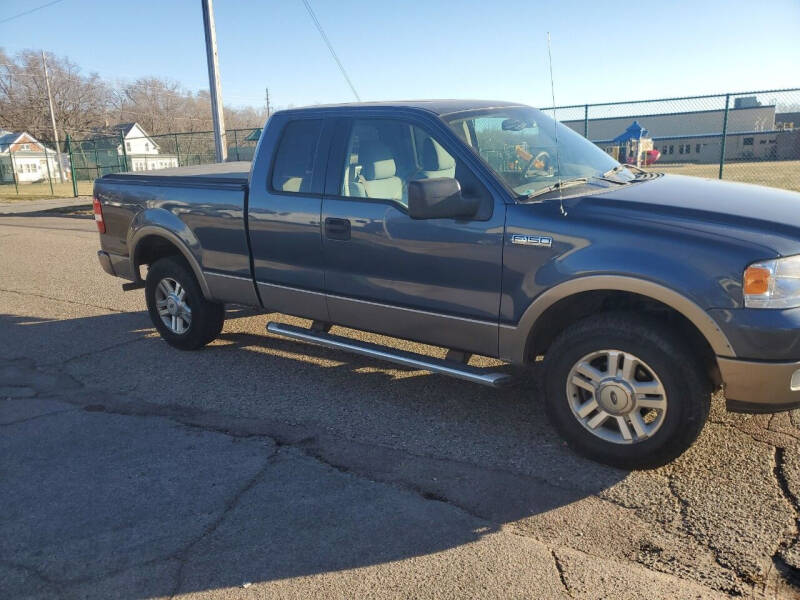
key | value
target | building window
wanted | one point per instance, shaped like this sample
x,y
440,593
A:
x,y
762,141
25,147
697,148
680,148
671,149
128,146
772,141
748,141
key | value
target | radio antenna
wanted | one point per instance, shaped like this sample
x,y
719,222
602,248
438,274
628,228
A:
x,y
555,127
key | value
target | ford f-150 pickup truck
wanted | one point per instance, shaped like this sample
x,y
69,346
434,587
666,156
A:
x,y
484,228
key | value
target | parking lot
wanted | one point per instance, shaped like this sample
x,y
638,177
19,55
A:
x,y
262,467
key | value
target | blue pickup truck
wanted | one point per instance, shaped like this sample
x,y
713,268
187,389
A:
x,y
484,228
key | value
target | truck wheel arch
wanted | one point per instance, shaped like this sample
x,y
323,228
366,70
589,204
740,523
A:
x,y
139,241
515,342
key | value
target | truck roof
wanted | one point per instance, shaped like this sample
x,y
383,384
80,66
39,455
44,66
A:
x,y
438,107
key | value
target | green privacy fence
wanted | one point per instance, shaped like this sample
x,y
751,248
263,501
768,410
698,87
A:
x,y
33,171
752,137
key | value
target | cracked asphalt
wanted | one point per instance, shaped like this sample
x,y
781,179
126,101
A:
x,y
262,467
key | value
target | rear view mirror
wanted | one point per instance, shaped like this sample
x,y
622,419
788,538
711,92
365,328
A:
x,y
439,198
516,125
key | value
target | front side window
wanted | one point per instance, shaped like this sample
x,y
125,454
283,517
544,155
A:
x,y
294,158
383,155
519,144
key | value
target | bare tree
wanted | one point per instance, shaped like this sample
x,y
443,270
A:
x,y
80,102
84,103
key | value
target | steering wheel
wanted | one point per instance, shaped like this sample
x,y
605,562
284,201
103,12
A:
x,y
543,159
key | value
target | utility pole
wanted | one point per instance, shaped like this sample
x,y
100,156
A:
x,y
53,121
267,102
220,143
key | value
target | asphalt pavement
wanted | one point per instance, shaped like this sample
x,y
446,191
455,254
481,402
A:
x,y
266,468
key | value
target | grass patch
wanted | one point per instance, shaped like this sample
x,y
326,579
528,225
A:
x,y
783,174
39,191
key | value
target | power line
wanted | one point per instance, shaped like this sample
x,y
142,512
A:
x,y
27,12
330,47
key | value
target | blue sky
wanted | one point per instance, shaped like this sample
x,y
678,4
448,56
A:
x,y
602,51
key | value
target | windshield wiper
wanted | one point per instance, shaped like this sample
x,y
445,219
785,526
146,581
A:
x,y
614,171
607,176
558,185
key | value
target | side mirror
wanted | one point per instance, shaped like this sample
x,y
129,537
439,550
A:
x,y
439,198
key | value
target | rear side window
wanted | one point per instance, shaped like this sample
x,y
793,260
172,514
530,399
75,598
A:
x,y
294,159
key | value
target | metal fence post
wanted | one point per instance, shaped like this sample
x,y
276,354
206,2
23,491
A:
x,y
124,150
177,150
586,121
72,168
724,134
13,169
98,172
236,144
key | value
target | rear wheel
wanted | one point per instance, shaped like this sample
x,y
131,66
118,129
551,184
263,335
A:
x,y
177,307
623,390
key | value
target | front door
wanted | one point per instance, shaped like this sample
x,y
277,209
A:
x,y
433,280
284,219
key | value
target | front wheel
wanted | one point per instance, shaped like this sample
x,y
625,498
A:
x,y
177,307
623,390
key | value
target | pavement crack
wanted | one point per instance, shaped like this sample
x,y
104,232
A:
x,y
92,352
66,300
717,555
30,571
37,417
789,572
182,554
561,574
400,484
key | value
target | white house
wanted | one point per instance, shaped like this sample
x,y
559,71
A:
x,y
142,152
25,158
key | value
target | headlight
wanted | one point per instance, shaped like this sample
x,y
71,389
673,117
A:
x,y
773,283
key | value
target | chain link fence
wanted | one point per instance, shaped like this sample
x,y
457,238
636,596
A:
x,y
753,137
29,169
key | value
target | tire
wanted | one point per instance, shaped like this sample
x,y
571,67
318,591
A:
x,y
201,319
657,377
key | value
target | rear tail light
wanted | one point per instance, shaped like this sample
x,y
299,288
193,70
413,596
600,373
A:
x,y
98,215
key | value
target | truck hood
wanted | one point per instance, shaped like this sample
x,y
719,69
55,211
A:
x,y
767,217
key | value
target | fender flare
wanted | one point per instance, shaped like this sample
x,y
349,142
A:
x,y
513,339
158,231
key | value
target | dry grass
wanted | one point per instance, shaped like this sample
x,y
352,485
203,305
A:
x,y
780,174
38,191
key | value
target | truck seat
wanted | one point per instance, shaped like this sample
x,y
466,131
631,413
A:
x,y
436,162
378,171
292,184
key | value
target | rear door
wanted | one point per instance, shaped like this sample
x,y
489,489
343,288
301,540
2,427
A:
x,y
284,216
435,280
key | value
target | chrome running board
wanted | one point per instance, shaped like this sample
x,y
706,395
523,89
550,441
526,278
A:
x,y
407,359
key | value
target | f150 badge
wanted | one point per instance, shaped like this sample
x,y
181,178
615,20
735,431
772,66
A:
x,y
542,241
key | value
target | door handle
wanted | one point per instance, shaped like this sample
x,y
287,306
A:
x,y
337,229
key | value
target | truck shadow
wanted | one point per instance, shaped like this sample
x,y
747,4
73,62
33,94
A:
x,y
279,459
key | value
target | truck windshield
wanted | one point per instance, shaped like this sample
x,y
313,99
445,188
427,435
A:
x,y
519,144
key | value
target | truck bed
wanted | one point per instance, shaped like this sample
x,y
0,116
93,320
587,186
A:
x,y
230,173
